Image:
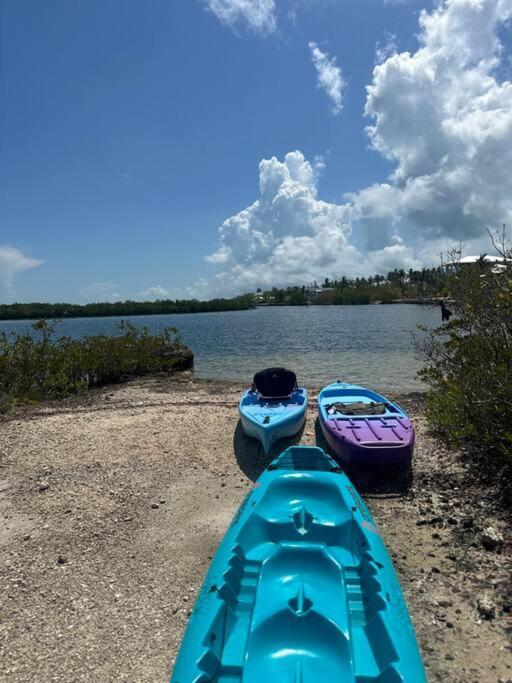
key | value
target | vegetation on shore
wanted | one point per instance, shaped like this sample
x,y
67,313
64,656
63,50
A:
x,y
397,284
38,365
39,311
468,361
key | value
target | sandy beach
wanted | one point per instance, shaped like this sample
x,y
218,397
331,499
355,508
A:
x,y
112,504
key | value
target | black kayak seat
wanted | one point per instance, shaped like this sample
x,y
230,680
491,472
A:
x,y
274,383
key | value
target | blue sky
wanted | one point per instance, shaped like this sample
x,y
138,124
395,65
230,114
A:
x,y
130,131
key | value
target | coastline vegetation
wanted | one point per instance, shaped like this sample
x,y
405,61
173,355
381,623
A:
x,y
468,360
39,365
397,285
40,311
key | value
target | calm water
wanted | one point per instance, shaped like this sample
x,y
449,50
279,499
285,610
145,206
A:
x,y
370,345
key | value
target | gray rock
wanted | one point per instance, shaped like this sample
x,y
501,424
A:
x,y
491,538
486,607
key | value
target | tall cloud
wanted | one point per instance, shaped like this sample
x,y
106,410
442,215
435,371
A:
x,y
329,76
445,119
288,235
443,116
258,15
12,262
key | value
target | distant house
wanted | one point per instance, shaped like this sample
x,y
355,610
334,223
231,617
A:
x,y
499,263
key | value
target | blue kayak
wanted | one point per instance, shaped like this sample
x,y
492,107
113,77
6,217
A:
x,y
301,589
274,408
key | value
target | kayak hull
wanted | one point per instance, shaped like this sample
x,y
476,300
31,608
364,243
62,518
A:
x,y
269,421
301,589
366,439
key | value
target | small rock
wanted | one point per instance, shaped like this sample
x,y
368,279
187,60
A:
x,y
162,501
435,520
491,538
444,602
61,560
486,607
154,506
449,657
44,486
467,522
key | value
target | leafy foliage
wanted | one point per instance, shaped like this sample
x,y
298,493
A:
x,y
35,366
468,361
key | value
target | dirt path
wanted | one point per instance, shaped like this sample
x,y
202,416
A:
x,y
112,504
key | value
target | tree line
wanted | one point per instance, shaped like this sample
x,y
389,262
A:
x,y
41,311
397,284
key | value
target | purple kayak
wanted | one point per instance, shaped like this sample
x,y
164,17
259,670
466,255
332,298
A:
x,y
363,427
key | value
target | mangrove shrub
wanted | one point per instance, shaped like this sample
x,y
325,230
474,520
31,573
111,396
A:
x,y
40,365
468,360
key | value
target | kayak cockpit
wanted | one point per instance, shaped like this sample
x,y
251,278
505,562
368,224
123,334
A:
x,y
301,589
346,400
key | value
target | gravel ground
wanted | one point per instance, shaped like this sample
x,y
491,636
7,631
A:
x,y
112,505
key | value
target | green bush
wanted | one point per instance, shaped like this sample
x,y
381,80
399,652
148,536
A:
x,y
35,366
468,361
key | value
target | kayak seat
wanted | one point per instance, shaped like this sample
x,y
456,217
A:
x,y
306,624
298,507
319,495
274,383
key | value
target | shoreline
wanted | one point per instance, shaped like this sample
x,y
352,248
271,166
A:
x,y
113,502
418,302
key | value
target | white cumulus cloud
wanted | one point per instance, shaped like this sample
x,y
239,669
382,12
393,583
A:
x,y
12,262
443,117
287,234
258,15
155,292
329,76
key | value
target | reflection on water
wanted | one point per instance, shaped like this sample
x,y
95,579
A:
x,y
370,345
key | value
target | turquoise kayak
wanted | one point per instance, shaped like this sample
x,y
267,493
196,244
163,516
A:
x,y
274,408
301,589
